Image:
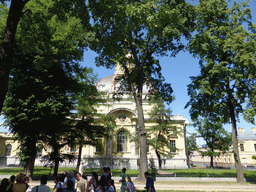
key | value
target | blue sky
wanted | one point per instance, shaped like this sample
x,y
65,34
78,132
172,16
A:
x,y
176,71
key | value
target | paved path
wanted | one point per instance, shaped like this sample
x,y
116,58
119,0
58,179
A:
x,y
186,186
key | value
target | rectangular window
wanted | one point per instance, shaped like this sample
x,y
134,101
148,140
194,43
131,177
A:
x,y
242,147
173,146
255,147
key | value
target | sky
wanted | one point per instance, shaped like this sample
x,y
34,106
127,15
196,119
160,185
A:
x,y
177,71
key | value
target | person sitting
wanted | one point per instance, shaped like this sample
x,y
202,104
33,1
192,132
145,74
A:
x,y
42,187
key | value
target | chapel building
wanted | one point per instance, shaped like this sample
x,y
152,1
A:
x,y
118,151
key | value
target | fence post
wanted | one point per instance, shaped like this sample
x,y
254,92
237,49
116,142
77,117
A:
x,y
175,175
207,174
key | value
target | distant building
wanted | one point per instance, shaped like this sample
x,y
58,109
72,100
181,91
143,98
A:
x,y
246,146
123,151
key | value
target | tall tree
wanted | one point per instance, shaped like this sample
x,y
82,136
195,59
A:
x,y
7,45
218,140
131,33
162,131
91,125
42,82
18,9
227,53
191,145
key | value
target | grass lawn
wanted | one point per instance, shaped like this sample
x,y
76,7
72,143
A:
x,y
193,172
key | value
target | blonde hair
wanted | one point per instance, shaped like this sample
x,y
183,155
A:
x,y
129,178
20,178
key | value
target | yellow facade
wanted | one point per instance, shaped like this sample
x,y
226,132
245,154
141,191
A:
x,y
124,151
247,148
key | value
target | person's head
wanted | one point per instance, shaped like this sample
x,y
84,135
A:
x,y
129,178
71,174
146,174
26,180
82,163
104,170
111,182
12,178
61,178
124,170
78,176
4,183
43,180
20,178
95,176
108,169
70,184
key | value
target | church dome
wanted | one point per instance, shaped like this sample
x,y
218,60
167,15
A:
x,y
105,84
108,83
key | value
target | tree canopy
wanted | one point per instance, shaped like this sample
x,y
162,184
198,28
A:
x,y
131,34
162,131
47,51
227,60
65,11
218,140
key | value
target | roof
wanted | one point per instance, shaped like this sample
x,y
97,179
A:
x,y
246,136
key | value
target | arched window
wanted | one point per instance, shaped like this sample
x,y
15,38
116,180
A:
x,y
8,149
121,141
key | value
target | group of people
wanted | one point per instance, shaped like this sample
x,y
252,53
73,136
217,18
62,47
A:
x,y
67,183
21,184
106,184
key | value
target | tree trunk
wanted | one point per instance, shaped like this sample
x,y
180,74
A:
x,y
56,161
159,160
56,166
211,163
79,156
6,47
239,168
142,134
30,162
29,167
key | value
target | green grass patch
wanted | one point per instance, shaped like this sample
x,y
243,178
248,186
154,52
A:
x,y
193,172
115,172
